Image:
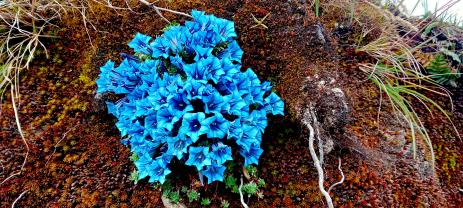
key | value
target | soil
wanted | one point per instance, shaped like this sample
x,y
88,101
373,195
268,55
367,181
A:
x,y
76,158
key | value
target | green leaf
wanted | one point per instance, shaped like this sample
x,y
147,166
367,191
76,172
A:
x,y
252,170
174,197
250,188
134,176
134,157
192,195
205,201
225,204
261,182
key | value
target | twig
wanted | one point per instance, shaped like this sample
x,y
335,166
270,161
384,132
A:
x,y
159,9
17,199
241,194
56,145
11,176
342,177
318,166
317,134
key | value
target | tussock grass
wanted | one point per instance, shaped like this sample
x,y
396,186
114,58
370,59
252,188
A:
x,y
386,36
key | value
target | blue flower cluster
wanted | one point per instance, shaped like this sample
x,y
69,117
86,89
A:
x,y
186,98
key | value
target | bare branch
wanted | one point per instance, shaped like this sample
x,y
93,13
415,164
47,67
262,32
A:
x,y
241,194
342,177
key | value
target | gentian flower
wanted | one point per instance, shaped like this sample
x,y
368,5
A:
x,y
194,125
185,85
178,146
214,172
213,103
218,126
158,170
194,89
274,104
160,48
235,131
166,118
226,29
257,119
197,71
202,53
214,69
221,153
140,44
179,102
232,52
142,164
159,98
252,155
198,157
235,104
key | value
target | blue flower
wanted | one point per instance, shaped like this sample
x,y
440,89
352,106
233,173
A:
x,y
226,29
274,104
213,103
158,170
235,131
175,38
229,68
143,163
178,146
214,172
218,126
252,155
194,125
221,153
232,52
257,119
235,104
194,89
166,118
202,53
140,44
198,157
179,102
249,137
196,71
185,85
159,98
160,48
214,69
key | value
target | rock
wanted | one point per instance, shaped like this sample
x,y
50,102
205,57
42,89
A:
x,y
332,110
169,204
330,107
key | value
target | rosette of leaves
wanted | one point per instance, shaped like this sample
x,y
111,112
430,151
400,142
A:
x,y
441,71
186,97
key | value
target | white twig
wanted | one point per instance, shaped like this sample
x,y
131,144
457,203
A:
x,y
56,145
342,177
17,199
241,194
317,134
159,9
318,166
11,176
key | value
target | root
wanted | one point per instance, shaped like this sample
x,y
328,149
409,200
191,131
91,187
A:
x,y
241,194
17,199
310,121
318,165
342,177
